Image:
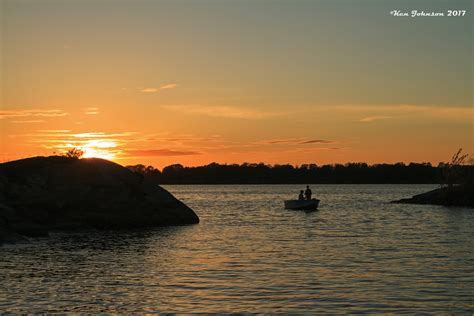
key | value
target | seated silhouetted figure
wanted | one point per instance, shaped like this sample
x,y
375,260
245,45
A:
x,y
301,196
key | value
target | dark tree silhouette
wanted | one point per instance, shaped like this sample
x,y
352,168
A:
x,y
149,173
260,173
453,172
74,153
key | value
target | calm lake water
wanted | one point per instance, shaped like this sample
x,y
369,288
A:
x,y
356,254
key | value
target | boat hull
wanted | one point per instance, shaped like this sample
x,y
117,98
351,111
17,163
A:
x,y
302,204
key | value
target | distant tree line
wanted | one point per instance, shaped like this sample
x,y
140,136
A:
x,y
253,173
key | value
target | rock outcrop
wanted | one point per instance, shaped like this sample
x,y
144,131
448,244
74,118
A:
x,y
460,195
41,194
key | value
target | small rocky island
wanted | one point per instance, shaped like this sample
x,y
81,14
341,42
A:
x,y
43,194
458,195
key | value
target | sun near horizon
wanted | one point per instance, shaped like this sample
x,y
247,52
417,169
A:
x,y
195,82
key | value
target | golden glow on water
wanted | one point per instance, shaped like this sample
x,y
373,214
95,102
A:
x,y
357,254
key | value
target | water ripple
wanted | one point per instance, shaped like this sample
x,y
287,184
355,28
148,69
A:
x,y
357,254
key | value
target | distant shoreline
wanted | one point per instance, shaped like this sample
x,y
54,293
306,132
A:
x,y
300,183
250,173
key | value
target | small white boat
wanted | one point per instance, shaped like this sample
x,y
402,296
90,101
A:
x,y
302,204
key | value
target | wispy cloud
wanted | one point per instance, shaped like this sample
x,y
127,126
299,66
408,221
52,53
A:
x,y
374,118
101,135
294,141
168,86
180,141
162,87
92,111
32,113
62,135
28,121
370,113
95,144
224,111
149,90
158,152
113,145
280,141
191,139
318,141
308,150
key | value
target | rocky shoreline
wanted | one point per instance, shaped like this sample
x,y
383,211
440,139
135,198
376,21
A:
x,y
459,195
42,194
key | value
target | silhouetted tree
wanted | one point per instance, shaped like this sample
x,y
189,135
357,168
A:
x,y
260,173
149,173
74,153
453,172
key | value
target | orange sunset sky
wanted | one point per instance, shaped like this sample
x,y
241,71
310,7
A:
x,y
199,81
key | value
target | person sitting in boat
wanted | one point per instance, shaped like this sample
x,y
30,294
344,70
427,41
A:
x,y
301,196
308,193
